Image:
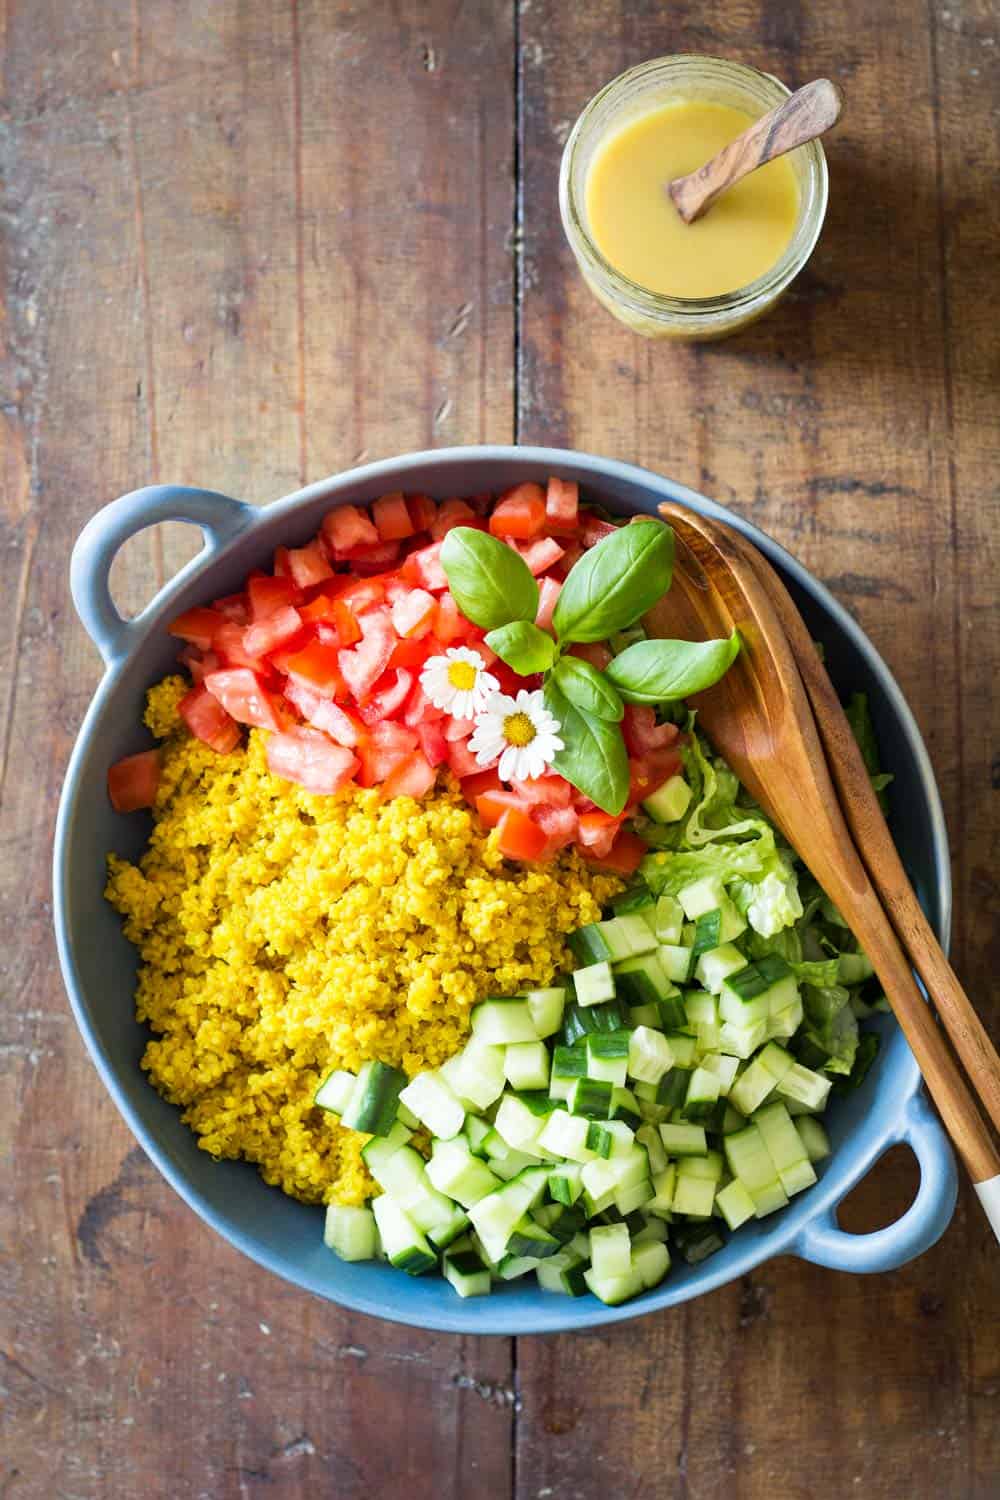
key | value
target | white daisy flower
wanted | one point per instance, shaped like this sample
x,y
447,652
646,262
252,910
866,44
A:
x,y
458,682
521,731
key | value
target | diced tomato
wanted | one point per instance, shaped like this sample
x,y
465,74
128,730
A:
x,y
592,651
559,824
198,663
562,500
519,837
481,502
641,731
432,742
424,568
273,632
346,527
485,781
458,729
597,832
197,626
571,556
388,695
267,595
625,853
364,664
302,699
208,721
309,564
244,696
368,560
346,622
461,759
132,782
541,555
491,806
555,791
232,652
422,511
339,723
648,772
593,529
519,513
319,610
549,590
409,654
413,777
451,514
392,517
233,607
413,613
450,624
361,594
420,710
282,568
310,759
388,746
317,668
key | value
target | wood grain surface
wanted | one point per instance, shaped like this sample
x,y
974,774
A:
x,y
252,242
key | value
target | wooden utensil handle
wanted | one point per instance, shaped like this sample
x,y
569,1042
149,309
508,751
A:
x,y
804,115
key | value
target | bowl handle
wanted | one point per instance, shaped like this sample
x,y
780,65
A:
x,y
825,1244
219,517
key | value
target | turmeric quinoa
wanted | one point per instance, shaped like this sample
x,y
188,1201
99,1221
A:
x,y
283,934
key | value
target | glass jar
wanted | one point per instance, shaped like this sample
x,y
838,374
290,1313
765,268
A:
x,y
669,80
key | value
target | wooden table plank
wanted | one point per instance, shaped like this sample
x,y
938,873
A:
x,y
853,425
221,271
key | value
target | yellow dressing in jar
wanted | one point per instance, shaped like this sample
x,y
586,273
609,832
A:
x,y
636,227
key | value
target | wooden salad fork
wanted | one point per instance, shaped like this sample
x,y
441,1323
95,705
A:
x,y
760,719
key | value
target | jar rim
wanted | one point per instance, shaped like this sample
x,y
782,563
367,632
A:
x,y
812,211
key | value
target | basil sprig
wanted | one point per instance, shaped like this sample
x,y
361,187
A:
x,y
611,587
663,671
489,581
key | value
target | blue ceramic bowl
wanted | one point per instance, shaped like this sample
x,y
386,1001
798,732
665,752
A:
x,y
99,966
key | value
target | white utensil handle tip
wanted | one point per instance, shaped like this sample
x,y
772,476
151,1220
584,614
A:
x,y
989,1197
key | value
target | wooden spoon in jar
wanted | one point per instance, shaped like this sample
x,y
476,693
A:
x,y
803,116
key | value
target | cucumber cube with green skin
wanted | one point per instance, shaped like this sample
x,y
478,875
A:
x,y
453,1170
644,1015
701,1008
518,1123
669,802
405,1246
648,1137
724,1067
608,1056
707,1168
714,967
629,936
526,1065
634,1196
693,1195
568,1064
653,1231
598,1138
478,1076
401,1173
546,1010
625,1106
683,1047
530,1238
676,961
381,1147
467,1274
683,1140
334,1093
741,1041
566,1135
702,1093
613,1290
374,1099
697,1242
610,1250
752,1087
767,1200
476,1131
664,1184
805,1086
446,1231
552,1273
351,1233
594,985
500,1021
641,980
565,1184
589,944
749,1159
434,1104
591,1097
787,1022
668,920
814,1138
702,896
734,1203
649,1055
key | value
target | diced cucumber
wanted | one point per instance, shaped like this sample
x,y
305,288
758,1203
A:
x,y
749,1159
702,1092
683,1140
701,1009
405,1246
610,1250
653,1231
767,1200
381,1147
350,1232
648,1055
741,1041
476,1131
684,1048
787,1022
625,1106
761,990
399,1171
334,1093
518,1124
568,1064
406,1117
696,1242
641,980
446,1231
603,1179
526,1065
644,1015
374,1098
752,1087
669,802
636,901
434,1104
546,1010
467,1273
668,920
455,1171
612,1290
589,944
703,895
677,961
580,1020
501,1021
608,1056
566,1135
707,1168
563,1273
590,1097
479,1077
783,1142
649,1138
565,1183
630,935
664,1184
494,1216
594,985
734,1203
531,1238
724,1067
715,966
693,1195
813,1137
805,1086
854,968
634,1196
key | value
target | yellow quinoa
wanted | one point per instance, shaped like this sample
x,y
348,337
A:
x,y
283,934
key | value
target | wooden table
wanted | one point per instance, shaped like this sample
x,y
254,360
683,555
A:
x,y
253,242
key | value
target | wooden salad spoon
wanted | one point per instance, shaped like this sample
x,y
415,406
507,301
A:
x,y
759,719
804,115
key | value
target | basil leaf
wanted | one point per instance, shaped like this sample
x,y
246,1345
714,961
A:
x,y
523,647
660,671
615,582
594,760
489,582
588,689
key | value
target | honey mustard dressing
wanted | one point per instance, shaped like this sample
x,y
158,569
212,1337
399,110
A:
x,y
637,229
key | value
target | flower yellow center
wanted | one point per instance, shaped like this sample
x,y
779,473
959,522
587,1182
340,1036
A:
x,y
462,675
518,729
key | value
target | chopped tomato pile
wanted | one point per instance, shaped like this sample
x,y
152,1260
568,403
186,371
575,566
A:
x,y
326,652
